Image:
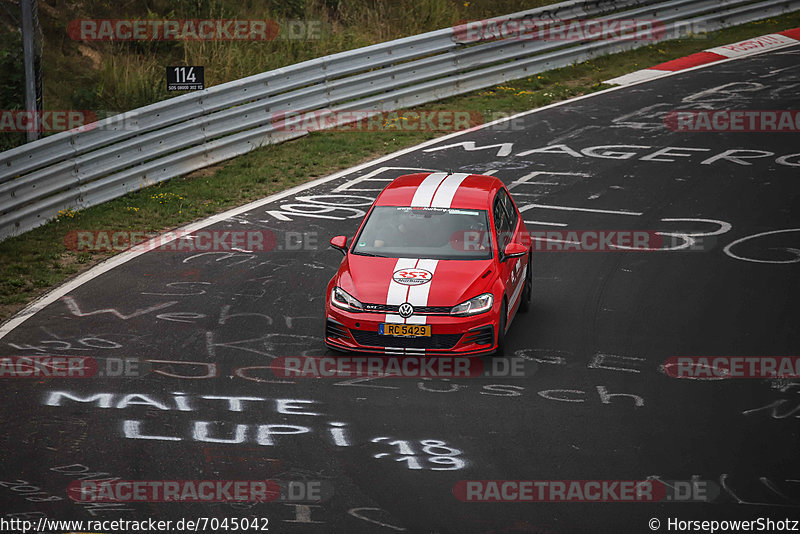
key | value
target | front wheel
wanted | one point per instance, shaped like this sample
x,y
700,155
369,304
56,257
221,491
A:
x,y
501,332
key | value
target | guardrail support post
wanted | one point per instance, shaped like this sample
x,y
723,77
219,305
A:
x,y
29,57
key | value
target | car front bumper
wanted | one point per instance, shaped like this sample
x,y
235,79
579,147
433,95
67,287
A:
x,y
358,332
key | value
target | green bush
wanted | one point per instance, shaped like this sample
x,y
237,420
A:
x,y
12,82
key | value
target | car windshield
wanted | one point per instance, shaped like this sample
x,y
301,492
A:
x,y
433,233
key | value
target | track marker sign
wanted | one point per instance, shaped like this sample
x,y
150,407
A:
x,y
185,78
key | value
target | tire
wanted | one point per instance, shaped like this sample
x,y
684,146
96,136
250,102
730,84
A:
x,y
527,292
501,332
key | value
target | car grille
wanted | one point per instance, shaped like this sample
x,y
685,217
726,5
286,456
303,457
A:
x,y
435,341
480,336
335,330
418,310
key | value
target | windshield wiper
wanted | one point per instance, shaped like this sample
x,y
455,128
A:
x,y
369,254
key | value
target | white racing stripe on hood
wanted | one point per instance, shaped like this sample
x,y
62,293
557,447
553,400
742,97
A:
x,y
426,190
444,195
418,295
398,293
436,190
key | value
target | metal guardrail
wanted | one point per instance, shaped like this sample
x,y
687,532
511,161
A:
x,y
78,169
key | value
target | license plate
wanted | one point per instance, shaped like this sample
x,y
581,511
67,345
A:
x,y
405,330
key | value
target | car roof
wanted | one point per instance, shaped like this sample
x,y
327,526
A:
x,y
441,189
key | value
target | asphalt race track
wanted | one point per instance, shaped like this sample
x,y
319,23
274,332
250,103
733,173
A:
x,y
594,402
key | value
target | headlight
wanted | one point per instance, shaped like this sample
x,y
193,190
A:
x,y
342,299
474,306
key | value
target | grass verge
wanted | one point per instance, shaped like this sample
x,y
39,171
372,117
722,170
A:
x,y
109,77
38,260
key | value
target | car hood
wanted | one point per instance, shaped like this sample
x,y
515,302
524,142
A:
x,y
453,281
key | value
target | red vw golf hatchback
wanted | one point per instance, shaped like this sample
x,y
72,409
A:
x,y
440,265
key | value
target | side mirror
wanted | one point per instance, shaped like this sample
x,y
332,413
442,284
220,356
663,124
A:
x,y
514,250
340,242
